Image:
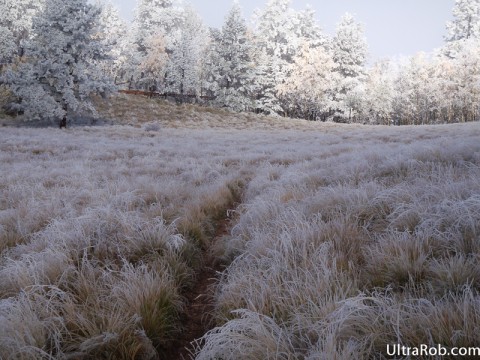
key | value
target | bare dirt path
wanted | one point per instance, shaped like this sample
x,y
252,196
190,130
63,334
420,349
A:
x,y
197,318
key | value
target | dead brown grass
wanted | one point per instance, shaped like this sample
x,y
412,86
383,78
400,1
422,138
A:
x,y
347,237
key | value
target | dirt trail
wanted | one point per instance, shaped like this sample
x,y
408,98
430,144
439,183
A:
x,y
197,318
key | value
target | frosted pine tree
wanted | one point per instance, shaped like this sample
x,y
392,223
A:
x,y
16,26
231,66
309,86
377,107
308,32
184,66
349,54
412,103
264,86
280,33
8,47
462,49
153,17
157,22
466,84
114,31
466,23
153,66
274,35
464,27
62,69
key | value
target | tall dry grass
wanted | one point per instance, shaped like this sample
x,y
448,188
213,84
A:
x,y
372,240
105,228
347,238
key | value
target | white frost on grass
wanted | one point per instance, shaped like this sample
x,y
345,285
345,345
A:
x,y
339,225
351,249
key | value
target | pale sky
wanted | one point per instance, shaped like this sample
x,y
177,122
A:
x,y
392,27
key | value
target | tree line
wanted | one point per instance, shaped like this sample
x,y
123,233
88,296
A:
x,y
56,53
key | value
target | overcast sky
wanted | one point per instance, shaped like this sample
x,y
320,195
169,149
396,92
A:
x,y
393,27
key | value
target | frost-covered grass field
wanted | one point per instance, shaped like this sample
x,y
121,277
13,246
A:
x,y
346,239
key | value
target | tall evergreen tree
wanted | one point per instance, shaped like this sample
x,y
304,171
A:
x,y
280,33
466,83
466,22
230,63
274,33
62,69
184,66
464,27
349,54
114,30
265,87
377,107
413,102
156,22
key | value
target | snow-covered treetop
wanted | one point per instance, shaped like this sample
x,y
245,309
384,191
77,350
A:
x,y
349,47
157,17
229,62
61,68
281,30
466,23
184,66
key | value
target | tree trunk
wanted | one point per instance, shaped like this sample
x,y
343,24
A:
x,y
63,122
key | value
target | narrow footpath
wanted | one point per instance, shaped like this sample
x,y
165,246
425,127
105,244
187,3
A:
x,y
198,315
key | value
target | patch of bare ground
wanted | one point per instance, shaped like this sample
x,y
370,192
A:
x,y
198,315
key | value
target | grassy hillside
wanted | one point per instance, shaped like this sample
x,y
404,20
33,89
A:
x,y
157,113
345,238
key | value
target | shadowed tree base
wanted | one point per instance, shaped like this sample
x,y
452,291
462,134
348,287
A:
x,y
63,123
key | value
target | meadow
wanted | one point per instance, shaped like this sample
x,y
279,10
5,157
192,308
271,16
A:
x,y
342,239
